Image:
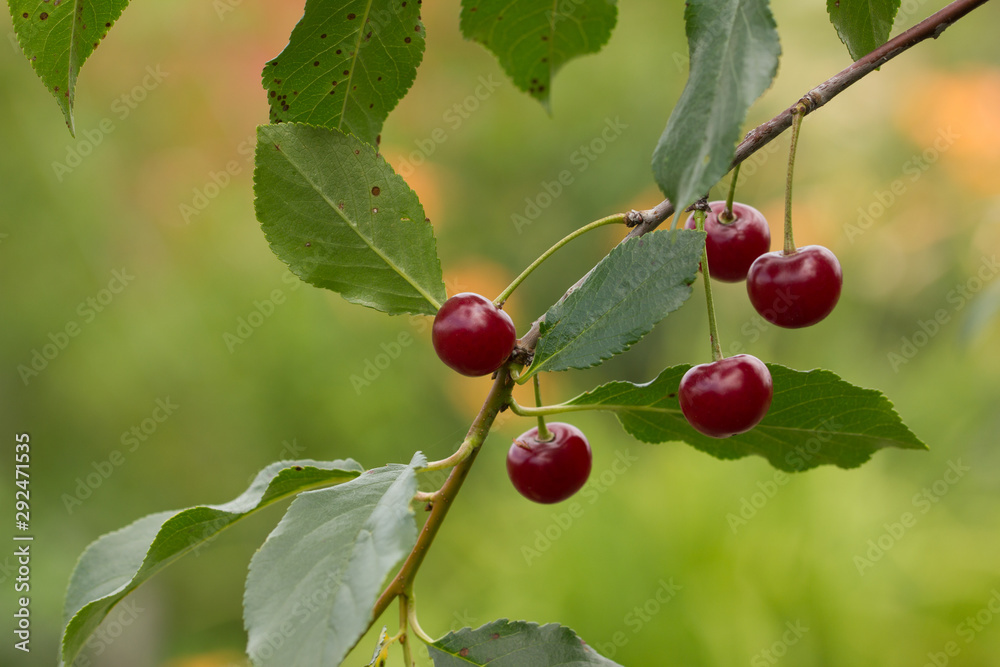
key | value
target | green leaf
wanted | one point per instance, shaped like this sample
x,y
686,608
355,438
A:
x,y
117,563
533,40
58,37
815,418
347,65
312,586
337,214
734,51
625,295
506,643
863,25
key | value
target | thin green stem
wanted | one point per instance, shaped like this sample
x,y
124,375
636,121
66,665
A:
x,y
460,455
404,637
727,215
713,327
445,496
617,218
798,111
412,618
645,222
543,432
544,410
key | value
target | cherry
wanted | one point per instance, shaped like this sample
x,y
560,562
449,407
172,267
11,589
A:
x,y
795,290
471,335
726,397
553,470
734,245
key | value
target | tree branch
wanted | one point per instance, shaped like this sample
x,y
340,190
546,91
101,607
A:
x,y
931,27
480,428
643,222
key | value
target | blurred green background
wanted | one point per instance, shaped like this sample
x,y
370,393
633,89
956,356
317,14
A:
x,y
926,125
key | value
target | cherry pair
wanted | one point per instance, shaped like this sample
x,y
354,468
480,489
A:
x,y
791,290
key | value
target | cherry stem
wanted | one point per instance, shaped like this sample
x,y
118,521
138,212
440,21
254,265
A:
x,y
404,638
411,616
544,435
402,583
460,455
713,327
643,222
542,410
798,112
617,218
727,215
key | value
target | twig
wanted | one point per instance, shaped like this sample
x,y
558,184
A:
x,y
643,222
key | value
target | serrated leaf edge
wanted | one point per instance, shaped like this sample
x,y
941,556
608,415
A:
x,y
878,395
430,299
128,587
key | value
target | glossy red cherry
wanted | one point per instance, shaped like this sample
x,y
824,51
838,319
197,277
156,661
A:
x,y
726,397
733,246
553,470
795,290
471,335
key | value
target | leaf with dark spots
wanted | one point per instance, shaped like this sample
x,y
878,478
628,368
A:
x,y
58,41
367,43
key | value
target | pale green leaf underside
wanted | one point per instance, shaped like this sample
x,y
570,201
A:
x,y
625,295
58,37
506,643
117,563
313,584
347,64
815,418
733,46
337,214
863,25
532,39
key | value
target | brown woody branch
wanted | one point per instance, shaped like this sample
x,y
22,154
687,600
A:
x,y
643,222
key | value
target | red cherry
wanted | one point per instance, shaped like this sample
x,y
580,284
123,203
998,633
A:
x,y
795,290
726,397
553,470
471,335
733,246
